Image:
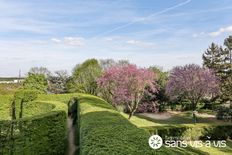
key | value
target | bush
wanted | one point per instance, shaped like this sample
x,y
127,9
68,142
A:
x,y
224,113
36,82
43,134
103,131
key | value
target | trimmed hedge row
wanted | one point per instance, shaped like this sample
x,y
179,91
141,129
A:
x,y
219,132
104,131
43,134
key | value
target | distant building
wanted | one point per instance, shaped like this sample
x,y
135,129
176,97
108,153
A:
x,y
9,80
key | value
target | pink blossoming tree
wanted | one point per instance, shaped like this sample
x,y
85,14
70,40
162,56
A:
x,y
192,82
126,84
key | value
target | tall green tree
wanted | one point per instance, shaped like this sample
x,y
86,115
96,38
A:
x,y
84,78
37,82
213,58
228,44
227,84
219,59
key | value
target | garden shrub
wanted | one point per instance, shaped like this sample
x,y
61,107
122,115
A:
x,y
43,134
224,113
217,132
104,131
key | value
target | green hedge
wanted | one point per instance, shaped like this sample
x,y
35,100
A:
x,y
104,131
43,134
215,132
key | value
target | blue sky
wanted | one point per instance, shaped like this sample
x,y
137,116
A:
x,y
59,34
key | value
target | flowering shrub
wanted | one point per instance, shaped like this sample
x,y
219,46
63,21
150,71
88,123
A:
x,y
147,107
126,85
192,82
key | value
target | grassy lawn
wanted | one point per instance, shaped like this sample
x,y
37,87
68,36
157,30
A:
x,y
180,119
185,119
5,106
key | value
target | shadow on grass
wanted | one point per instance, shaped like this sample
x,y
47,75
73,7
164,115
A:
x,y
184,118
228,149
189,151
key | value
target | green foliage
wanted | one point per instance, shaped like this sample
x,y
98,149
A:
x,y
104,131
212,58
161,79
43,134
219,59
26,95
36,82
20,98
84,77
30,108
224,113
37,108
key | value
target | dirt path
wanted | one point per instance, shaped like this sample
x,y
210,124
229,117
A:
x,y
169,114
159,116
71,137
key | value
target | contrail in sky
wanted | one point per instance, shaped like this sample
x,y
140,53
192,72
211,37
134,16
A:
x,y
144,18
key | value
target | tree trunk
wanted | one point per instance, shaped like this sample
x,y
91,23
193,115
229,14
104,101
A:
x,y
13,114
194,118
130,115
13,117
133,109
21,110
194,112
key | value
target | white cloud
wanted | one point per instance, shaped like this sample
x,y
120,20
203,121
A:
x,y
108,39
55,40
220,31
75,41
139,43
133,42
196,35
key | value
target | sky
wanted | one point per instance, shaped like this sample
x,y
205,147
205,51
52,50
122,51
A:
x,y
60,34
